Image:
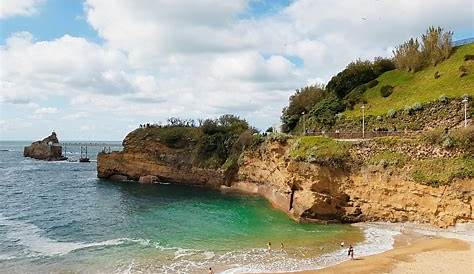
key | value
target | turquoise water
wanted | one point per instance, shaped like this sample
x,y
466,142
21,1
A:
x,y
57,217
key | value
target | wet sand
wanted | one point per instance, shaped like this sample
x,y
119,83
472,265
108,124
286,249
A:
x,y
412,253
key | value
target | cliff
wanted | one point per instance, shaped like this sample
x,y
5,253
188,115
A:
x,y
320,179
368,192
47,149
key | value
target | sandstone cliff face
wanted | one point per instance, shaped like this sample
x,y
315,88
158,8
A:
x,y
312,192
47,149
166,167
308,191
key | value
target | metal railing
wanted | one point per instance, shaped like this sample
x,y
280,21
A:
x,y
366,135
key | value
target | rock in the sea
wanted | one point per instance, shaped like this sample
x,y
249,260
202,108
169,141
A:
x,y
47,149
148,179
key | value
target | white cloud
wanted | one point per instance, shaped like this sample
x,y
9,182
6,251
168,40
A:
x,y
195,59
47,110
10,8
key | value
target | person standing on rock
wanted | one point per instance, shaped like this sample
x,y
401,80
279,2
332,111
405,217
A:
x,y
269,246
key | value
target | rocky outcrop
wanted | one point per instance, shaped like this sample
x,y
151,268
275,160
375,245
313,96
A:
x,y
308,191
136,165
47,149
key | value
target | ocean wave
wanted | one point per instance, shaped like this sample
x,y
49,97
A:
x,y
377,240
30,236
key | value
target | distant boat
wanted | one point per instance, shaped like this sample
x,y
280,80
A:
x,y
84,158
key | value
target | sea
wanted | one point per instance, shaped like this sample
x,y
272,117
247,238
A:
x,y
58,217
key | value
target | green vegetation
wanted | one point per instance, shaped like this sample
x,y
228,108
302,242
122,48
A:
x,y
386,90
420,87
388,158
435,46
428,171
418,73
278,137
462,138
358,73
211,143
301,102
321,150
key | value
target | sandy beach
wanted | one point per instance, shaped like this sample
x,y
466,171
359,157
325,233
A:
x,y
416,250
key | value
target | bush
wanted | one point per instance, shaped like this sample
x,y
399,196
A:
x,y
321,150
355,74
463,137
413,108
434,137
429,172
391,113
468,57
443,99
372,83
386,90
436,46
382,65
355,96
325,111
174,137
278,137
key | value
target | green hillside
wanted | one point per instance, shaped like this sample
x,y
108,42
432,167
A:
x,y
420,87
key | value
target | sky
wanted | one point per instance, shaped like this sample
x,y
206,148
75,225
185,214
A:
x,y
96,69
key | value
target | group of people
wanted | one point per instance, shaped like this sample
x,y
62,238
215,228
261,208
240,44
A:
x,y
350,251
269,246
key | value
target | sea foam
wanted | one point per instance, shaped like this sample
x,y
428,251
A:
x,y
32,237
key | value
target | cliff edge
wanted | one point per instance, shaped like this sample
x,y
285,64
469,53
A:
x,y
318,179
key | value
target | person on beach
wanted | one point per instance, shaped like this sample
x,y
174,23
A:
x,y
210,270
342,244
269,246
350,252
282,247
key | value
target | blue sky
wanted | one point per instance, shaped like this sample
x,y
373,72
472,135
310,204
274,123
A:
x,y
95,69
59,17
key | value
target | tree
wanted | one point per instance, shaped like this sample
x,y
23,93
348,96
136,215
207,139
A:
x,y
302,101
436,46
355,74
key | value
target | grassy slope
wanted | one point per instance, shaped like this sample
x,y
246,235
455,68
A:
x,y
420,87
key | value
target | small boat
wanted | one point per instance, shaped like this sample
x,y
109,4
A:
x,y
84,158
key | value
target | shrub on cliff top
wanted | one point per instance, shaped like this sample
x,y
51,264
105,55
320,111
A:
x,y
463,138
429,172
320,150
278,137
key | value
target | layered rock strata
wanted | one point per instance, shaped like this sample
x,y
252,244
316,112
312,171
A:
x,y
307,192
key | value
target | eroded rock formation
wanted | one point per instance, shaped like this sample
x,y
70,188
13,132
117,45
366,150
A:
x,y
312,192
47,149
306,191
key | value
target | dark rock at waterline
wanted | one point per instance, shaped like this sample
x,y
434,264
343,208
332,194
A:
x,y
148,179
47,149
118,177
